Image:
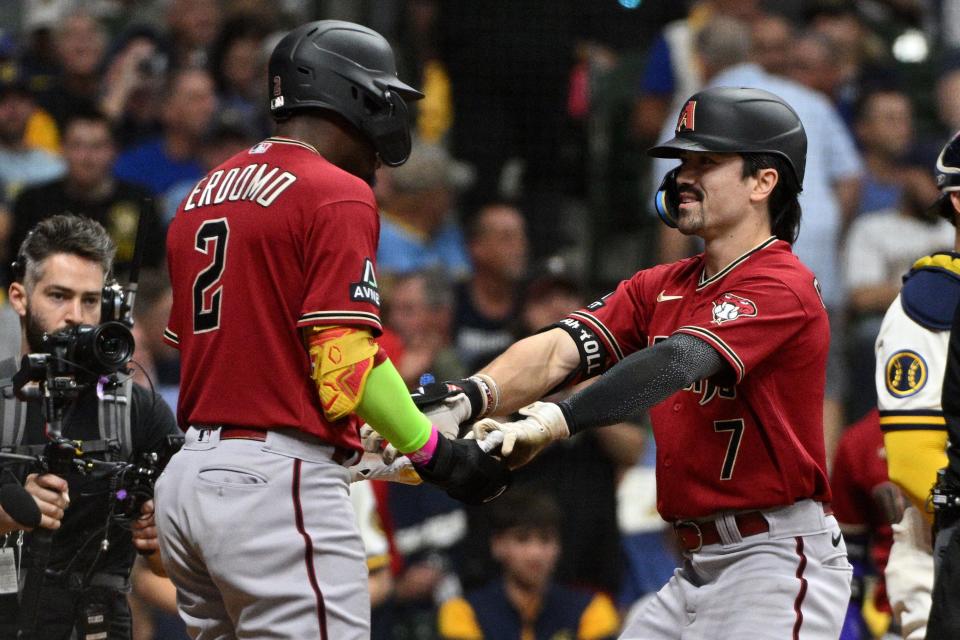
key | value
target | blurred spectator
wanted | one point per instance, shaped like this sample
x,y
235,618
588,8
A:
x,y
488,304
884,127
509,64
814,64
581,473
865,503
89,189
238,63
880,249
418,227
20,165
859,54
947,90
81,43
193,27
229,134
420,309
158,364
830,193
375,543
188,108
547,299
526,603
773,44
672,71
133,86
429,529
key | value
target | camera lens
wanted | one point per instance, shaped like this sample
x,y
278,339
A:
x,y
112,346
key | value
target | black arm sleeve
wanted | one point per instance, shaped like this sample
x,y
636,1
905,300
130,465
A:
x,y
642,380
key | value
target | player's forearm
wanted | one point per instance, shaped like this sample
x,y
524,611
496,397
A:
x,y
640,381
530,368
386,406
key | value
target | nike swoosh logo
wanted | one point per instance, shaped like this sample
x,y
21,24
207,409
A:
x,y
836,539
664,298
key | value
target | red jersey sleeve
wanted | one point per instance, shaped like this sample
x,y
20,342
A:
x,y
339,249
619,319
748,321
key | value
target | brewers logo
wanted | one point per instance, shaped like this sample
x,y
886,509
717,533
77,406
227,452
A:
x,y
729,307
906,373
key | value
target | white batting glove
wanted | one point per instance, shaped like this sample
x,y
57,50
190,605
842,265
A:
x,y
524,439
450,414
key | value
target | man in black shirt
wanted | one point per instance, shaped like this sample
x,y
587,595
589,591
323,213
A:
x,y
60,272
89,189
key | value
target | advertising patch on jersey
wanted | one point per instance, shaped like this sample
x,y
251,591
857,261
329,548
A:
x,y
366,290
260,147
906,373
685,121
730,307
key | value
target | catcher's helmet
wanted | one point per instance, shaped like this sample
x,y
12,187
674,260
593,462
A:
x,y
948,177
732,120
350,70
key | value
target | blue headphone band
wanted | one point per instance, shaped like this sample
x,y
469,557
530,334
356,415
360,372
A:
x,y
667,199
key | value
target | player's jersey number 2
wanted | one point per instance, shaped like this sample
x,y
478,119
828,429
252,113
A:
x,y
212,238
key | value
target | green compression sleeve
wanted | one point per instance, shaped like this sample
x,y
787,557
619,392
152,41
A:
x,y
386,406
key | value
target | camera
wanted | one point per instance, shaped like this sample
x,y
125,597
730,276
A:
x,y
87,350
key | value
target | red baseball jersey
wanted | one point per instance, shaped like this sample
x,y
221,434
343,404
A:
x,y
273,240
859,466
751,440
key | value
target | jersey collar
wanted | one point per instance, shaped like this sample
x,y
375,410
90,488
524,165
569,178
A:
x,y
296,143
705,282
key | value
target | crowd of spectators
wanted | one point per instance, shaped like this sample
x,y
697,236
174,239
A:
x,y
510,210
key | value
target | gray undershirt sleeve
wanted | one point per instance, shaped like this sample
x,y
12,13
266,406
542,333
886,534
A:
x,y
641,380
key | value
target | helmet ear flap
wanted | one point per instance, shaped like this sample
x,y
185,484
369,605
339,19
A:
x,y
667,199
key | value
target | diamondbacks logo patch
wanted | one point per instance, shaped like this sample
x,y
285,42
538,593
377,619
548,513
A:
x,y
906,373
686,120
730,307
366,290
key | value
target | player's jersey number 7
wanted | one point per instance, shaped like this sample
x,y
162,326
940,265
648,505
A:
x,y
211,239
735,427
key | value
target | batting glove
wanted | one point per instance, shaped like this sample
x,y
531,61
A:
x,y
524,439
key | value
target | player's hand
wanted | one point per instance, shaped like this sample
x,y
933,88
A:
x,y
52,496
465,471
144,530
447,404
524,439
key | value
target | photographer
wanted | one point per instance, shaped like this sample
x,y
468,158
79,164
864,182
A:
x,y
59,277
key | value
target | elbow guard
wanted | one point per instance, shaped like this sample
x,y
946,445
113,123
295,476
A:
x,y
341,359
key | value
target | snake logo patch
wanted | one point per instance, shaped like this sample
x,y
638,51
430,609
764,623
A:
x,y
906,373
730,307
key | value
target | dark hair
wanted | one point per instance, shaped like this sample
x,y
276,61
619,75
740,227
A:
x,y
89,115
784,206
522,508
63,233
474,228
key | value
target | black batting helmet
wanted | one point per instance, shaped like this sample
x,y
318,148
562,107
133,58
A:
x,y
350,70
948,177
738,120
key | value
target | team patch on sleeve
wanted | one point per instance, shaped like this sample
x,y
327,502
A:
x,y
906,373
366,290
730,307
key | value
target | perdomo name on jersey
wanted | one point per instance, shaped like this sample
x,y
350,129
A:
x,y
255,182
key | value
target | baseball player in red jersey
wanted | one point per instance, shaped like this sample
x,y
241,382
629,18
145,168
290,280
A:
x,y
728,351
275,310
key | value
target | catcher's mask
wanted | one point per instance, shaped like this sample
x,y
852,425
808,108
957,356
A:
x,y
948,178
